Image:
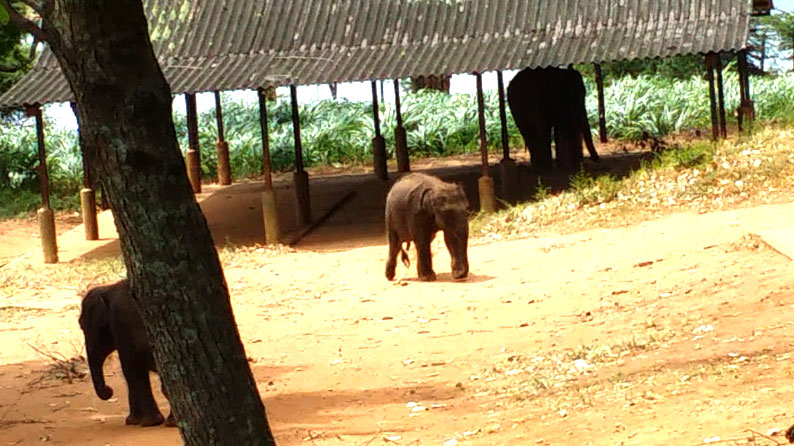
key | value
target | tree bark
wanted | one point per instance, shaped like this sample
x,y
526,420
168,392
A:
x,y
124,105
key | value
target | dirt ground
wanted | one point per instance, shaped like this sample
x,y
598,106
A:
x,y
673,331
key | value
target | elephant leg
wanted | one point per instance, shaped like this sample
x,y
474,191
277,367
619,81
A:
x,y
540,147
425,260
143,408
569,148
587,133
394,250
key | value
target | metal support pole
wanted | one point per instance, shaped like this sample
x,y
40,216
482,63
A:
x,y
715,132
602,114
296,129
45,215
87,194
378,143
481,120
503,116
193,158
221,146
721,98
746,108
269,205
400,136
263,125
508,173
485,183
300,177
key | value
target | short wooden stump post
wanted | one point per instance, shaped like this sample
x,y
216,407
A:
x,y
224,169
508,173
47,230
88,208
487,194
401,148
270,215
379,157
302,197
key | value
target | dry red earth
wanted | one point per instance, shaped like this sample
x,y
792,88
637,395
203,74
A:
x,y
681,328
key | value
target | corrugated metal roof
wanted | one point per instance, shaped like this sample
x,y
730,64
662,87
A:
x,y
240,44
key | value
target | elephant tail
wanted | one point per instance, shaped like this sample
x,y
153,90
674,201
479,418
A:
x,y
404,254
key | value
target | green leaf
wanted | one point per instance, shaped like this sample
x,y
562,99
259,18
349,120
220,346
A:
x,y
4,18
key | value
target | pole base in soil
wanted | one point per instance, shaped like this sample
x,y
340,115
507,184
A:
x,y
401,148
47,231
487,194
224,171
193,170
270,216
508,173
88,208
379,157
302,197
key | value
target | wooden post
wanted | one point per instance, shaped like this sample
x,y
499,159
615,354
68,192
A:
x,y
45,215
300,177
378,143
715,133
193,158
721,98
87,194
221,146
485,183
602,114
508,173
400,136
269,205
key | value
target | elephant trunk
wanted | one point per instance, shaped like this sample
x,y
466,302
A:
x,y
457,244
460,265
95,364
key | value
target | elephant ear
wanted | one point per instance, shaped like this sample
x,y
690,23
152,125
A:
x,y
426,200
94,315
462,192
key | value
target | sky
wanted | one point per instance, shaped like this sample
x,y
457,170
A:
x,y
784,5
62,114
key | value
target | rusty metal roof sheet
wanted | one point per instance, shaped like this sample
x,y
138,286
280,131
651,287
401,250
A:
x,y
241,44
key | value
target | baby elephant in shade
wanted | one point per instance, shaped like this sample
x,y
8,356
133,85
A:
x,y
110,321
417,207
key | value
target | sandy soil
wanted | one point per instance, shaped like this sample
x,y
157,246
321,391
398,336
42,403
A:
x,y
673,331
342,356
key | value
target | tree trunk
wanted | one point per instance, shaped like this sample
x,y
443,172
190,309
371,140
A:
x,y
124,104
432,82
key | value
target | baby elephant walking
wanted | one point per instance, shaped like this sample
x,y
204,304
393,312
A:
x,y
110,321
417,207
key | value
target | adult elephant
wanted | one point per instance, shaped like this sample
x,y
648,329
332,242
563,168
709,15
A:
x,y
542,99
110,321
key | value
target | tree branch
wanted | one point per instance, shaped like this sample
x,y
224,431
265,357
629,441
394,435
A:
x,y
23,23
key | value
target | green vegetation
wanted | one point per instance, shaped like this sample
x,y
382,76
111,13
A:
x,y
337,133
698,176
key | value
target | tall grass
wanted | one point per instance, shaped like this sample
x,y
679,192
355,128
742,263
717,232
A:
x,y
340,132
